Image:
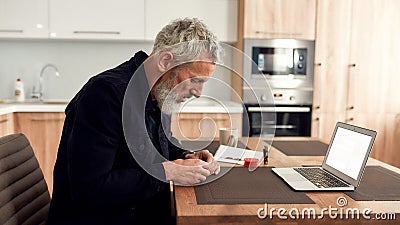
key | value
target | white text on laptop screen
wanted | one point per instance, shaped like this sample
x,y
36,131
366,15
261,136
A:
x,y
348,151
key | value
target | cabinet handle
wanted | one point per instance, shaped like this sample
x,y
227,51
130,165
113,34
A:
x,y
3,121
317,126
350,91
276,33
349,119
317,77
11,31
96,32
36,119
317,107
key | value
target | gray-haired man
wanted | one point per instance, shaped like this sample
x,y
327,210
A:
x,y
116,154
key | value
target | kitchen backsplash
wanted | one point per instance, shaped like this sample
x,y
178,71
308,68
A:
x,y
76,61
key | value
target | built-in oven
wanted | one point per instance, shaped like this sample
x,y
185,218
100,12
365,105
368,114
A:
x,y
278,87
288,120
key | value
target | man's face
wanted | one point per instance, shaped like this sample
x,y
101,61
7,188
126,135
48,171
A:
x,y
189,79
181,83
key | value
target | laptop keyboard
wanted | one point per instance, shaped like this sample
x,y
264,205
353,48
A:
x,y
321,178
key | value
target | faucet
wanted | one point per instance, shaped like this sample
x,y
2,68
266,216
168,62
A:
x,y
39,94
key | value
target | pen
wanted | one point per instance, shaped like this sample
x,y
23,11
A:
x,y
238,159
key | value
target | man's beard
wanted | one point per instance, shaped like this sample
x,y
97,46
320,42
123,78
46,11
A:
x,y
166,97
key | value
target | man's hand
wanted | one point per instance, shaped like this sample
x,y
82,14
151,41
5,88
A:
x,y
193,169
205,155
190,162
188,171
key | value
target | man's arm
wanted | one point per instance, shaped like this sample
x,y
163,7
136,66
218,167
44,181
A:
x,y
95,139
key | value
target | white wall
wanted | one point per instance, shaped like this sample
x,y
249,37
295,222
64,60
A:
x,y
77,61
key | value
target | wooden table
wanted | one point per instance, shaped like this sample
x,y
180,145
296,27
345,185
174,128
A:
x,y
189,212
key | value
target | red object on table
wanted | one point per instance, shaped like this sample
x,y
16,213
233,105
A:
x,y
250,161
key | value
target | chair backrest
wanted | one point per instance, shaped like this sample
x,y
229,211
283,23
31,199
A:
x,y
24,196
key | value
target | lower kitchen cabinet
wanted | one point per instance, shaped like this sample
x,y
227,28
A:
x,y
387,143
43,131
6,124
387,126
323,124
203,125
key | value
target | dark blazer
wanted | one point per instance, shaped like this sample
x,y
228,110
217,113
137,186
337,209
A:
x,y
96,179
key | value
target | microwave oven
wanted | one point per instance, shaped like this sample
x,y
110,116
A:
x,y
285,63
281,69
272,61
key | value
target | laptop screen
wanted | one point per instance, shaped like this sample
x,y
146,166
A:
x,y
347,152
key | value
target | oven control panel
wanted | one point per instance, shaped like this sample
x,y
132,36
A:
x,y
292,97
278,97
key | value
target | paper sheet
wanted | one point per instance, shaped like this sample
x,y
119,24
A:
x,y
235,155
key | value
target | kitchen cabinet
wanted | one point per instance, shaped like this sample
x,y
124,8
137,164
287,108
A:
x,y
97,19
375,55
23,19
270,19
387,125
356,70
6,124
332,65
203,125
323,124
221,16
43,131
372,91
279,19
111,20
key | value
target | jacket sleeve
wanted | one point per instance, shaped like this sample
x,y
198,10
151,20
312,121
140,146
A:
x,y
97,135
176,150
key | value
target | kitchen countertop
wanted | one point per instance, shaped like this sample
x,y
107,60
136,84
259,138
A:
x,y
11,107
201,105
208,105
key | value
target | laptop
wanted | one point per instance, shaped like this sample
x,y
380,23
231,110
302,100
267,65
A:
x,y
343,164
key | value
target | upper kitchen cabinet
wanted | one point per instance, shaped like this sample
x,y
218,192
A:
x,y
220,15
279,19
23,19
96,19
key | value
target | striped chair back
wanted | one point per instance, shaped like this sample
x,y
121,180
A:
x,y
24,196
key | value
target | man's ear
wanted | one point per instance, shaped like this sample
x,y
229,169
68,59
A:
x,y
164,61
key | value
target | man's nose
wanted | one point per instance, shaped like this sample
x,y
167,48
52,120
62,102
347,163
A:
x,y
196,90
